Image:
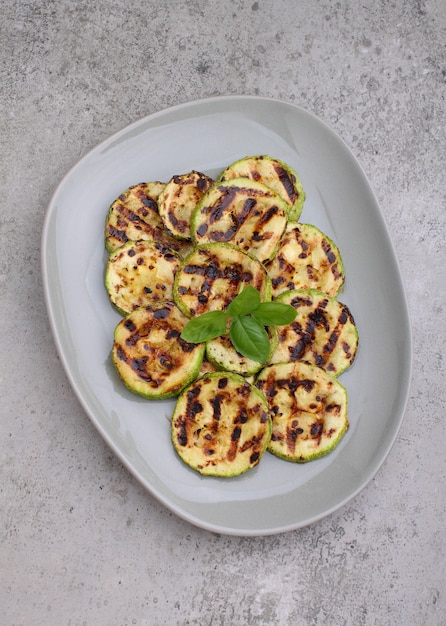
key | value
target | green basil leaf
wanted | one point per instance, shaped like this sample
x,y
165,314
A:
x,y
249,337
246,302
274,313
205,327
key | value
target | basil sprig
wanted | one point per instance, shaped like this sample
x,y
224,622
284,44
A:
x,y
246,318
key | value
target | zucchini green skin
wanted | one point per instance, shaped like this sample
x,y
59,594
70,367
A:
x,y
212,275
273,173
140,272
308,408
323,332
149,354
134,215
306,259
221,353
221,425
179,198
242,212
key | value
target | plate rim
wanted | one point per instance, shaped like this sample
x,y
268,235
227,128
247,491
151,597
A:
x,y
403,395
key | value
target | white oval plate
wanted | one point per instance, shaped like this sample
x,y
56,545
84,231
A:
x,y
207,135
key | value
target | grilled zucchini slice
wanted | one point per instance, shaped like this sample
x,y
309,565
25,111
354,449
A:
x,y
323,332
134,215
222,354
140,272
179,198
221,425
149,354
242,212
212,275
273,173
308,408
306,259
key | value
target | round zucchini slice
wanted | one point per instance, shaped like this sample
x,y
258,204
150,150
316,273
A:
x,y
242,212
221,425
149,354
140,272
222,354
134,215
179,198
308,408
306,259
273,173
323,332
212,275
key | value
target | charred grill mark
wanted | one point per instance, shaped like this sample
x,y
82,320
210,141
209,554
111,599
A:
x,y
291,437
166,362
326,247
343,317
333,408
161,314
299,301
202,229
254,457
337,275
216,211
203,183
316,429
278,281
295,383
297,350
146,200
180,225
241,417
347,349
185,346
248,206
139,366
267,216
119,235
182,434
288,183
219,236
194,269
222,383
319,318
331,343
236,433
216,403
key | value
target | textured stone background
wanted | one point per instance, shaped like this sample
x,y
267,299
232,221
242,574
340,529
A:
x,y
81,542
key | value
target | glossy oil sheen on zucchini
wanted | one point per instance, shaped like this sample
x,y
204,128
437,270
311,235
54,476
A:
x,y
221,425
149,354
323,332
306,259
134,215
212,275
179,198
242,212
308,408
140,272
273,173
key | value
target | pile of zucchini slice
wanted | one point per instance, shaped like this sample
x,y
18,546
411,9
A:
x,y
183,248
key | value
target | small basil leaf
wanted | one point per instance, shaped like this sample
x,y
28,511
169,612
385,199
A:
x,y
250,338
246,302
274,313
205,327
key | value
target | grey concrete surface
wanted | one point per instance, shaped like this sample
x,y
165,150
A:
x,y
82,543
